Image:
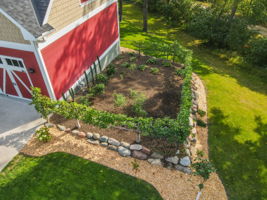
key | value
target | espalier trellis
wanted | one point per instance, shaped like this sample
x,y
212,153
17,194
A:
x,y
176,130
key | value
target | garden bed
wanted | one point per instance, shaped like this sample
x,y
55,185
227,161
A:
x,y
135,77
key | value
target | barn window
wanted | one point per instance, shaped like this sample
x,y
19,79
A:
x,y
14,62
1,62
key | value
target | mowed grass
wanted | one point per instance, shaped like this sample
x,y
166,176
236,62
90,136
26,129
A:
x,y
237,105
64,176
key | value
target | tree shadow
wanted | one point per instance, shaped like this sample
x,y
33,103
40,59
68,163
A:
x,y
240,165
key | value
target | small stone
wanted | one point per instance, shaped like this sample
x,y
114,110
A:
x,y
187,152
124,152
194,131
61,128
177,152
146,150
186,170
125,144
186,144
173,160
68,130
169,165
194,140
156,155
89,135
112,147
82,134
185,161
139,155
95,142
103,138
75,132
136,147
96,136
114,142
155,161
104,144
50,125
191,122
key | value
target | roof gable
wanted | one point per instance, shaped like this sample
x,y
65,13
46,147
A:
x,y
27,15
40,7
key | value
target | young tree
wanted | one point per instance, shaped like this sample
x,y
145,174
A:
x,y
145,14
120,10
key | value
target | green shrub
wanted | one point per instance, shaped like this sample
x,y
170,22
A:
x,y
111,70
98,89
181,72
154,70
151,61
202,113
201,123
133,93
203,168
43,134
101,78
142,67
137,107
119,100
125,65
85,100
256,52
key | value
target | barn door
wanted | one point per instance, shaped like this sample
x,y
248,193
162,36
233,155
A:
x,y
14,78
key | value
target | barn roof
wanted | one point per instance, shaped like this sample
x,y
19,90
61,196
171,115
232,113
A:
x,y
28,13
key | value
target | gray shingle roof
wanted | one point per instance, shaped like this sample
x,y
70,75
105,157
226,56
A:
x,y
28,13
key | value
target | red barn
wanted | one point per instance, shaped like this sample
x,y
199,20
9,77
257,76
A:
x,y
51,43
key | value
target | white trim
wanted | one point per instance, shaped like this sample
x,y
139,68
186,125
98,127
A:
x,y
40,60
73,25
89,68
15,85
16,97
14,45
22,82
48,12
86,3
119,31
26,34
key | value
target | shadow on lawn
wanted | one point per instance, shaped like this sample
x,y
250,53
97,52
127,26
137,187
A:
x,y
241,165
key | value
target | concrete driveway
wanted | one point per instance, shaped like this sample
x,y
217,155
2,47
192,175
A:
x,y
18,121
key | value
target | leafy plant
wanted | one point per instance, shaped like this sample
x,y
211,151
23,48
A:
x,y
98,89
142,67
43,134
132,59
151,61
154,70
133,93
135,166
119,100
202,113
125,65
85,100
203,168
111,70
137,107
101,78
201,123
166,64
132,66
181,72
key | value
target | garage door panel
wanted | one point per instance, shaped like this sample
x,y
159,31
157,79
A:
x,y
10,89
23,83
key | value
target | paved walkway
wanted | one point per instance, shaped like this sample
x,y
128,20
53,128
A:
x,y
18,120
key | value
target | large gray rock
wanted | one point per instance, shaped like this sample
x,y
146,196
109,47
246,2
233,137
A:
x,y
123,151
96,136
104,144
125,144
136,147
185,161
155,161
95,142
156,155
114,142
89,135
103,138
61,128
174,160
186,170
139,155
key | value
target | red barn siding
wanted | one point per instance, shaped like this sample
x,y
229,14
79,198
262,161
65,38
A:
x,y
67,58
30,62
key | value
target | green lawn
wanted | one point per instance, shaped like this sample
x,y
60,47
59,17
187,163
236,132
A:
x,y
64,176
237,102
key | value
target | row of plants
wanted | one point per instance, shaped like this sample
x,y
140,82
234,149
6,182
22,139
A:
x,y
176,130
